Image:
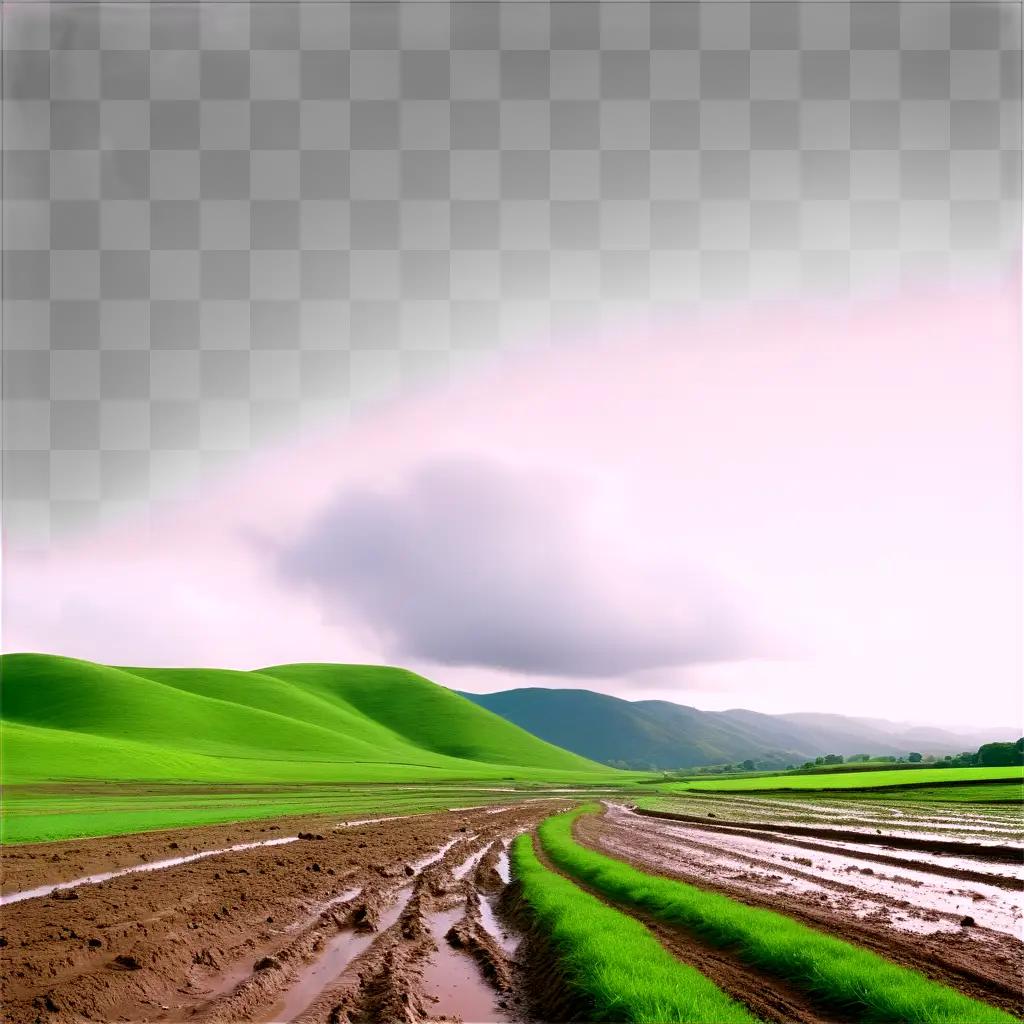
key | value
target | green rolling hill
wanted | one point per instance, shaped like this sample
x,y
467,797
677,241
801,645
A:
x,y
65,719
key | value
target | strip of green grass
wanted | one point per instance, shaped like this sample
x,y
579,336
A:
x,y
839,974
613,959
852,780
60,816
42,813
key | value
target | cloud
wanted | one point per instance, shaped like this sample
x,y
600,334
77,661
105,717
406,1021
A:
x,y
473,563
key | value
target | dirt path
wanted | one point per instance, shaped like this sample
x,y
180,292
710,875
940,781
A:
x,y
345,925
982,962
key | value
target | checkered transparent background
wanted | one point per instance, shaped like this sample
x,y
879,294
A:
x,y
223,221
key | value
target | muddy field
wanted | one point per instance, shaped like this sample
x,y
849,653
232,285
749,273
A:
x,y
914,907
412,918
296,920
992,823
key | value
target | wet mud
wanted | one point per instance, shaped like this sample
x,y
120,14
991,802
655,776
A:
x,y
416,918
1006,853
910,918
372,921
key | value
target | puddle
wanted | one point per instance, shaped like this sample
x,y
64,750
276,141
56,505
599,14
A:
x,y
341,950
470,862
453,981
371,821
508,942
336,955
433,858
157,865
319,908
344,897
503,867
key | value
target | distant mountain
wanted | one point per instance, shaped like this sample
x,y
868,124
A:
x,y
661,734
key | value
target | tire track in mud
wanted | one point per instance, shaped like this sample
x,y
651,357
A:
x,y
432,957
1001,823
225,938
851,849
917,897
984,964
996,853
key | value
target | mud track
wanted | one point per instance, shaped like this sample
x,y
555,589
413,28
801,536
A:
x,y
1001,854
375,922
895,919
413,919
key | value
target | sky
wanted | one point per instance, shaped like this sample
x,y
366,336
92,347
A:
x,y
789,506
637,346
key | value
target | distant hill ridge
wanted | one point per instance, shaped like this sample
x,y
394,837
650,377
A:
x,y
69,719
662,735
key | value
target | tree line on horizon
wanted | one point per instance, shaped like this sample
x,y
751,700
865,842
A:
x,y
988,755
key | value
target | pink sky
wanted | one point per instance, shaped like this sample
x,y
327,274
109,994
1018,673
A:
x,y
811,507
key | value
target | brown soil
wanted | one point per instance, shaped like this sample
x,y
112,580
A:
x,y
487,877
469,934
358,926
232,936
548,994
787,837
982,963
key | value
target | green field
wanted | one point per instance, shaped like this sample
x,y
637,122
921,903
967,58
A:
x,y
42,813
851,780
839,974
614,961
69,723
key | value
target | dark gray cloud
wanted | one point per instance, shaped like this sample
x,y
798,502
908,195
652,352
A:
x,y
472,564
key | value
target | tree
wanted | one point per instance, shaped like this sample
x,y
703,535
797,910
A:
x,y
914,757
1000,754
833,759
748,765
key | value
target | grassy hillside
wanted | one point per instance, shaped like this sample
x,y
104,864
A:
x,y
74,720
657,734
